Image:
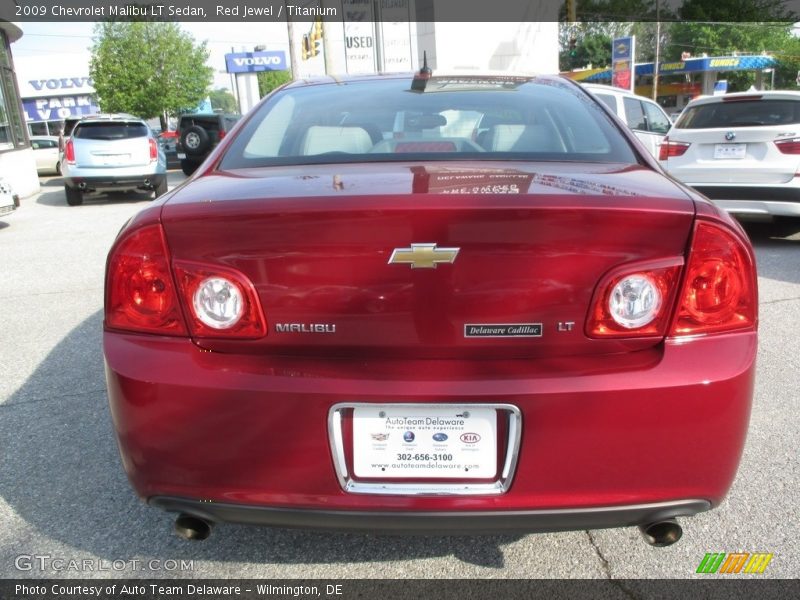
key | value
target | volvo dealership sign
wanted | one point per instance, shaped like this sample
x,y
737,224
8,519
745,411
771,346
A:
x,y
254,62
58,108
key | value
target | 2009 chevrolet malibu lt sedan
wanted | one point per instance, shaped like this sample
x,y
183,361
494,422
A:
x,y
431,304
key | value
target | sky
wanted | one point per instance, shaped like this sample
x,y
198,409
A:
x,y
69,42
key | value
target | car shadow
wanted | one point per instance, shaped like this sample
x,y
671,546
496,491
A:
x,y
57,198
51,181
62,474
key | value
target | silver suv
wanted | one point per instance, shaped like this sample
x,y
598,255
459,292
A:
x,y
112,152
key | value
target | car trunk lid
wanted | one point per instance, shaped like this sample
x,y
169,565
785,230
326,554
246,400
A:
x,y
518,249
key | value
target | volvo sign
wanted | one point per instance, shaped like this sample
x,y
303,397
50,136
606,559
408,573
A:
x,y
254,62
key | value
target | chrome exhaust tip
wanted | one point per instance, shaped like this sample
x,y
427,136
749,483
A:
x,y
192,528
661,533
147,182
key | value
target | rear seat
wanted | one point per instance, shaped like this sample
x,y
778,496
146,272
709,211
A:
x,y
521,138
319,140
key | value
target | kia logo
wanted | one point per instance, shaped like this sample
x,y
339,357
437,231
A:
x,y
470,438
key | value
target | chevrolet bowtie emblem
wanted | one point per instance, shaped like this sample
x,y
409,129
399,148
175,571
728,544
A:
x,y
423,256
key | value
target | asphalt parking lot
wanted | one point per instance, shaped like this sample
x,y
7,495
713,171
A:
x,y
63,493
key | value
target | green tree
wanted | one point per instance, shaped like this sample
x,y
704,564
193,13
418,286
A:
x,y
269,80
613,19
148,68
593,49
788,68
222,100
724,39
742,26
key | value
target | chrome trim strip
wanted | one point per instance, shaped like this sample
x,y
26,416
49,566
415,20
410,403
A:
x,y
495,488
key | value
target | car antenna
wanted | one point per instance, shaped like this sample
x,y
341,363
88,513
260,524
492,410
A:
x,y
421,78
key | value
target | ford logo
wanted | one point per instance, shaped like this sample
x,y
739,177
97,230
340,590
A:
x,y
408,436
439,437
470,438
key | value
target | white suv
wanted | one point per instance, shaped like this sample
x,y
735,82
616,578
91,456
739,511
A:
x,y
646,118
741,150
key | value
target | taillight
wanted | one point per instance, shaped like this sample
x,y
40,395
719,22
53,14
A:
x,y
719,291
153,150
220,302
669,149
140,293
790,146
221,135
69,152
635,301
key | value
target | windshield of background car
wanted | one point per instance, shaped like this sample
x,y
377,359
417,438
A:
x,y
740,113
111,130
516,118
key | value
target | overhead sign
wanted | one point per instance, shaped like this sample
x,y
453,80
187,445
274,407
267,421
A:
x,y
59,108
255,62
33,88
717,63
623,55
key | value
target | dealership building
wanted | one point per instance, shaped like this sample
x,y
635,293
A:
x,y
54,88
17,164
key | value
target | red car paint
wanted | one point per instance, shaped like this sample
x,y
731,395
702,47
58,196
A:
x,y
606,421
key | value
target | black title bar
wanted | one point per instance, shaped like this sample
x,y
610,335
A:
x,y
340,10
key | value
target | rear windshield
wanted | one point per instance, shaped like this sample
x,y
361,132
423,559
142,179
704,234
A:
x,y
446,118
110,131
740,113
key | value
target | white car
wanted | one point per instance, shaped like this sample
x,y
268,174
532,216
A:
x,y
742,150
45,150
645,118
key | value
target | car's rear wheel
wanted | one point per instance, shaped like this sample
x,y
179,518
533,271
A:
x,y
188,166
161,188
74,196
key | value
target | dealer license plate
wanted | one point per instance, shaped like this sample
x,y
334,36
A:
x,y
181,155
730,150
417,441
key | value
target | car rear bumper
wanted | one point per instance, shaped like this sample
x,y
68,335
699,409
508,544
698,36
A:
x,y
779,200
434,523
108,182
247,438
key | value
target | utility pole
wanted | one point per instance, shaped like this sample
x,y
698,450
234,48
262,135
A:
x,y
292,55
658,48
572,15
326,54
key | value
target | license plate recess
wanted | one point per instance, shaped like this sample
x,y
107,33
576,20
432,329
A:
x,y
425,448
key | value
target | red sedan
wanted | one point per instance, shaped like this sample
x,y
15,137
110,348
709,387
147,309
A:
x,y
433,304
